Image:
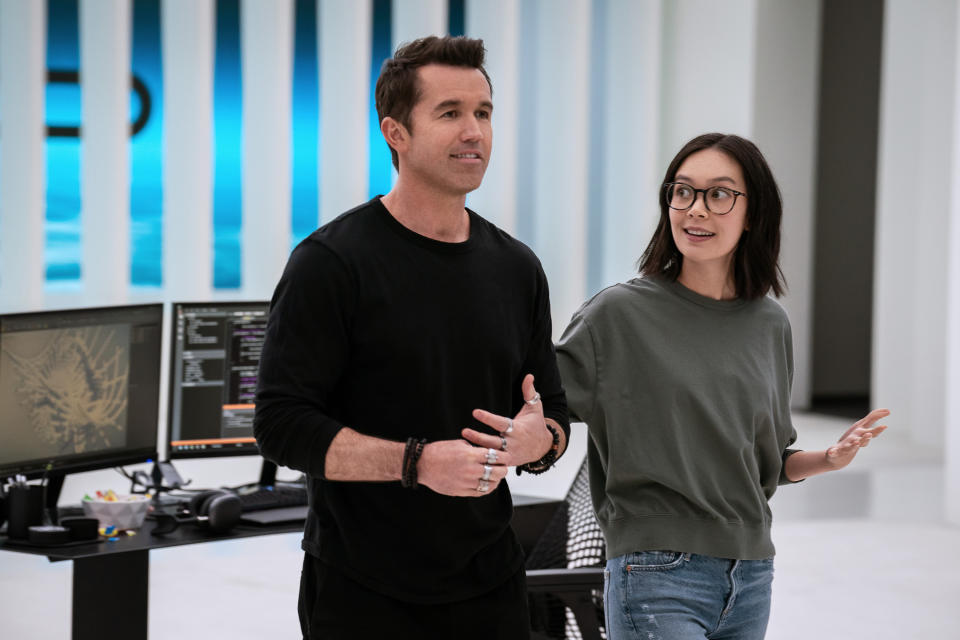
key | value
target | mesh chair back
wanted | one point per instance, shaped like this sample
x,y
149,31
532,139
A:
x,y
572,539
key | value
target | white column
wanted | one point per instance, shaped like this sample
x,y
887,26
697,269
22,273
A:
x,y
23,39
344,50
412,19
785,128
497,23
188,45
105,151
914,178
708,81
952,352
562,122
267,55
631,117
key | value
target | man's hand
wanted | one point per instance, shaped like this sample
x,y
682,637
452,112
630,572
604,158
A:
x,y
457,468
523,438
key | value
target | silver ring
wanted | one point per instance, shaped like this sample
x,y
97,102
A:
x,y
491,456
487,470
534,400
509,425
503,443
483,487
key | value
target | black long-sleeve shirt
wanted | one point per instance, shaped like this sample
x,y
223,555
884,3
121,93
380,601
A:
x,y
393,334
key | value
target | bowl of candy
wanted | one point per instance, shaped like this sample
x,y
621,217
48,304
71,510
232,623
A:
x,y
116,510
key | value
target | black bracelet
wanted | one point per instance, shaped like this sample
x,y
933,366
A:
x,y
411,454
405,467
544,463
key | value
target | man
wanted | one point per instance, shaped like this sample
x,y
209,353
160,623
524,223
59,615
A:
x,y
393,331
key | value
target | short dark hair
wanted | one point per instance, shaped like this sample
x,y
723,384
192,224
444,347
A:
x,y
756,268
397,90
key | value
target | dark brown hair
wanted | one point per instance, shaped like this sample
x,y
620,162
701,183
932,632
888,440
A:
x,y
756,270
397,90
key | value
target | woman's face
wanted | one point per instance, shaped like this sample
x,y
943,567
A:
x,y
704,238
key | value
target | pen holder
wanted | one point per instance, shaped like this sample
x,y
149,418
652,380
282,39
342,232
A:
x,y
24,509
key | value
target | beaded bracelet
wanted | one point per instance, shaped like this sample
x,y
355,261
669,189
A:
x,y
411,455
544,463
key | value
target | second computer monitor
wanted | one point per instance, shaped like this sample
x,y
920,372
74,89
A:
x,y
215,353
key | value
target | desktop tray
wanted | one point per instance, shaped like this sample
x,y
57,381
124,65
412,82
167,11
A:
x,y
19,543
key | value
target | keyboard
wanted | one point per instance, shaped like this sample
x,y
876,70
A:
x,y
272,498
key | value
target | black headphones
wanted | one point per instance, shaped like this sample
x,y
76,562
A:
x,y
217,510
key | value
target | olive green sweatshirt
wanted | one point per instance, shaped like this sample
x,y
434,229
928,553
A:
x,y
687,400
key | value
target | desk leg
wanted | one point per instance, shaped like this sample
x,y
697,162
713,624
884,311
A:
x,y
110,596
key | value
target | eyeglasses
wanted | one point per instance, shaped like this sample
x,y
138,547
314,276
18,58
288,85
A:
x,y
718,200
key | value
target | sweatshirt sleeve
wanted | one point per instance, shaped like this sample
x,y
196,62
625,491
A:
x,y
576,357
787,452
305,348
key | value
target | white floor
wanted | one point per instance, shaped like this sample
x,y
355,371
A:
x,y
861,554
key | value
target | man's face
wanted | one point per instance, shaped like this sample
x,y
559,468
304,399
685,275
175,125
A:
x,y
448,146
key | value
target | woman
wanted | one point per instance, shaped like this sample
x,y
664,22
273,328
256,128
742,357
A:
x,y
683,376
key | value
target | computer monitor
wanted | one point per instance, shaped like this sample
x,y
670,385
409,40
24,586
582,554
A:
x,y
214,356
79,390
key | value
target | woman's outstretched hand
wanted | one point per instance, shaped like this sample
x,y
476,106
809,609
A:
x,y
804,464
855,438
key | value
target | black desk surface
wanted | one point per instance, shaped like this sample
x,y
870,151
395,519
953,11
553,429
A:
x,y
530,517
144,540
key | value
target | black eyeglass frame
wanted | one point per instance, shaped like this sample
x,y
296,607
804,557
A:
x,y
706,202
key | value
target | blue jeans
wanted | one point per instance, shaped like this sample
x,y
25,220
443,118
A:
x,y
668,595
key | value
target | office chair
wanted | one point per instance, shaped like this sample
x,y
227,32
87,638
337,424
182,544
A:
x,y
565,570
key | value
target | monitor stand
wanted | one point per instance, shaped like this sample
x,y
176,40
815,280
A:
x,y
268,474
164,478
268,478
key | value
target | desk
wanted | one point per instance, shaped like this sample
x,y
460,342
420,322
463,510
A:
x,y
122,570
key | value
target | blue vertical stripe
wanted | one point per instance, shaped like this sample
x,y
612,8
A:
x,y
306,122
381,166
597,151
227,147
527,109
455,18
62,253
146,150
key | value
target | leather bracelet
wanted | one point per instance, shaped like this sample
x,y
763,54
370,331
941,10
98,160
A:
x,y
411,455
548,459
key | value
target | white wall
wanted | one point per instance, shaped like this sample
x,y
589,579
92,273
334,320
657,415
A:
x,y
344,41
917,277
105,90
628,119
561,121
914,175
22,178
267,58
187,30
